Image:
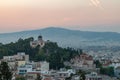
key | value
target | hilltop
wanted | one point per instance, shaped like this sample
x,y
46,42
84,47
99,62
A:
x,y
50,52
66,37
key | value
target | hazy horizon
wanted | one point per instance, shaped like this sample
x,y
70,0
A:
x,y
68,28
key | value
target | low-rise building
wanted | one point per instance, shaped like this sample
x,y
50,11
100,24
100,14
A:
x,y
83,61
20,56
32,75
24,69
16,60
93,76
20,63
42,65
62,74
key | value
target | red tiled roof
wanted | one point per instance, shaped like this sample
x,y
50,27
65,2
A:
x,y
89,58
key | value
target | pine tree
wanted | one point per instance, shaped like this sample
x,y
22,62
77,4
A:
x,y
5,73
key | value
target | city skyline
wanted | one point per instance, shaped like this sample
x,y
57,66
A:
x,y
88,15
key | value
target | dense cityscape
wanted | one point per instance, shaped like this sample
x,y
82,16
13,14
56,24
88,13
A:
x,y
80,65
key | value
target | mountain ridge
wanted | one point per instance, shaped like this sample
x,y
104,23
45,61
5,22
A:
x,y
64,37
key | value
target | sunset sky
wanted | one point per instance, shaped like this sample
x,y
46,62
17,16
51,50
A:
x,y
93,15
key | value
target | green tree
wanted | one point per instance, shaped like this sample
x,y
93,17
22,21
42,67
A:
x,y
39,77
107,71
98,64
82,74
5,73
20,78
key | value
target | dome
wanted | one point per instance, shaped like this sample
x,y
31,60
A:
x,y
40,36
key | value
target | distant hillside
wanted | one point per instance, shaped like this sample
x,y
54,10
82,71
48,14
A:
x,y
65,37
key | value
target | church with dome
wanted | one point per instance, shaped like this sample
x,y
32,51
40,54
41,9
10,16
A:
x,y
40,42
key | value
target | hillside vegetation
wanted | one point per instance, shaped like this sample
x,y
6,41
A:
x,y
51,52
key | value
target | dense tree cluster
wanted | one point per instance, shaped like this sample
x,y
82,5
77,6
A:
x,y
5,73
104,70
51,52
107,71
